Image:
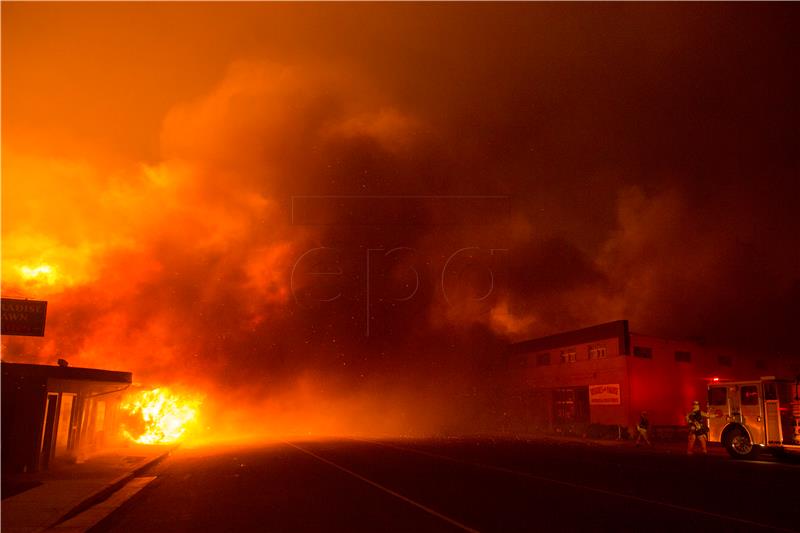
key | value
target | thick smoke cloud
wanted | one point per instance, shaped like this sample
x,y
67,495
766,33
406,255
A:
x,y
190,270
640,164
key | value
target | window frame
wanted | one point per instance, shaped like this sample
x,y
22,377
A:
x,y
597,351
724,390
749,401
642,352
568,356
725,360
682,356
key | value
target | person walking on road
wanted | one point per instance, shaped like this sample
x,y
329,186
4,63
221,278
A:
x,y
641,428
698,430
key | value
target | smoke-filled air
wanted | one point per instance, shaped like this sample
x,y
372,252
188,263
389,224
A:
x,y
332,222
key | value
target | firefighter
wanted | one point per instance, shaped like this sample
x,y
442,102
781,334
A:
x,y
698,430
641,429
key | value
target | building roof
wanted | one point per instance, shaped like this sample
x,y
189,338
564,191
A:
x,y
65,372
618,329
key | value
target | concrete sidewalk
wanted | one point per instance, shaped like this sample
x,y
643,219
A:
x,y
68,488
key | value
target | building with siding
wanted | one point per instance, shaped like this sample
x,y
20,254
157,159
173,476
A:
x,y
607,375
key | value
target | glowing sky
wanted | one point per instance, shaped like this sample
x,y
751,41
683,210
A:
x,y
151,153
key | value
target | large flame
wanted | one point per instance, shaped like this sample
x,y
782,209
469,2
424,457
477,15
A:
x,y
162,416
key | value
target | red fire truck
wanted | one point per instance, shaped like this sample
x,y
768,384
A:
x,y
750,416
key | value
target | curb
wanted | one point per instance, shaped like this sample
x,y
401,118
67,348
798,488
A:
x,y
109,489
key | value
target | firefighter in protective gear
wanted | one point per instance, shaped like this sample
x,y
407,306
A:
x,y
641,429
698,430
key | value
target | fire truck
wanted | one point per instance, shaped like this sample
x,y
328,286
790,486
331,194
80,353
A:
x,y
748,417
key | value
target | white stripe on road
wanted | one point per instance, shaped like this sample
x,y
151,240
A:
x,y
584,487
387,490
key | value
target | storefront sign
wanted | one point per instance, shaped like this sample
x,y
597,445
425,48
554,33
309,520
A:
x,y
23,317
604,394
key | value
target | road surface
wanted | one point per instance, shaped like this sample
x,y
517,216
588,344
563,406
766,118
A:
x,y
459,485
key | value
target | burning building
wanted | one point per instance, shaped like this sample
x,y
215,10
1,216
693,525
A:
x,y
605,375
57,413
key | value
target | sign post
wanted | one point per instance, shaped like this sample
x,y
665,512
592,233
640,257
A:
x,y
22,317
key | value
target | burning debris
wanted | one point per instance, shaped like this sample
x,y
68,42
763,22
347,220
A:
x,y
159,416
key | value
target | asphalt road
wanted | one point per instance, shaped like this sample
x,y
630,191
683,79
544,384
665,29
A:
x,y
459,485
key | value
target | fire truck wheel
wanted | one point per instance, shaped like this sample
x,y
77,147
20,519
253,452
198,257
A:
x,y
738,444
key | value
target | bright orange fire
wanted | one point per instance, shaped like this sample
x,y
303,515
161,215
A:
x,y
43,273
162,416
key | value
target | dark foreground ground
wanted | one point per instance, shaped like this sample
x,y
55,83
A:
x,y
458,485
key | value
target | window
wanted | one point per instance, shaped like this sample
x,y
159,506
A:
x,y
568,355
543,359
749,395
571,406
770,391
725,360
683,357
718,396
597,351
643,351
64,423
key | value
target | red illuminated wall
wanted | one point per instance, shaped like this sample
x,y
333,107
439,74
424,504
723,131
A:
x,y
661,384
666,387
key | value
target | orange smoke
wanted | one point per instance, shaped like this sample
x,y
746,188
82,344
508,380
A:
x,y
177,268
